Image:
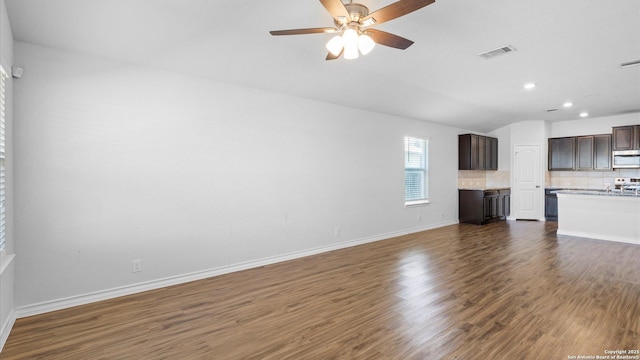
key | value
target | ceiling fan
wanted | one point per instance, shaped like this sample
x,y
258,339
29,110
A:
x,y
353,24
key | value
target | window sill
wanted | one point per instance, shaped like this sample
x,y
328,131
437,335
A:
x,y
5,260
416,203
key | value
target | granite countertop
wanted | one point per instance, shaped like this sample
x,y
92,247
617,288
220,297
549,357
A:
x,y
618,193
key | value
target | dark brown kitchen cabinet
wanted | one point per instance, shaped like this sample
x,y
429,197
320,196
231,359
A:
x,y
490,203
582,153
626,137
483,206
477,152
467,152
482,153
562,153
602,152
550,205
491,149
504,206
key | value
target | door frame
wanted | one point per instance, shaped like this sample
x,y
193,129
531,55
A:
x,y
541,180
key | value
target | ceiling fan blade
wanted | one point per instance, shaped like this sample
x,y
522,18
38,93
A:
x,y
322,30
330,55
395,10
337,10
387,39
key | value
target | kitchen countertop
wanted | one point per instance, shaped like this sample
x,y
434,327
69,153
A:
x,y
616,193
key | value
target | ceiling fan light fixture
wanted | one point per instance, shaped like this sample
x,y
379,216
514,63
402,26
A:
x,y
335,45
350,38
350,41
365,44
352,20
351,53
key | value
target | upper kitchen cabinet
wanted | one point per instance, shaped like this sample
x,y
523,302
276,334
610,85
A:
x,y
592,152
477,152
626,137
491,149
584,153
602,152
562,153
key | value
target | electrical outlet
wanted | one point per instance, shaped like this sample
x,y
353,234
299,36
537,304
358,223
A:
x,y
137,265
419,218
336,231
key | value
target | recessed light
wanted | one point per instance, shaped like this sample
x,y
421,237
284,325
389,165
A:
x,y
529,86
567,104
584,114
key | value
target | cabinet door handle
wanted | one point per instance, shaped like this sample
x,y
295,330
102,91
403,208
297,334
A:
x,y
537,186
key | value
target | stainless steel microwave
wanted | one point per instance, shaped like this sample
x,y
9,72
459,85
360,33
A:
x,y
626,159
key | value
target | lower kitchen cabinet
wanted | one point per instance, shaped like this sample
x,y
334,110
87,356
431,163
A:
x,y
483,206
550,205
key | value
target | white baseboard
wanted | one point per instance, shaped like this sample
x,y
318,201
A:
x,y
64,303
599,236
6,329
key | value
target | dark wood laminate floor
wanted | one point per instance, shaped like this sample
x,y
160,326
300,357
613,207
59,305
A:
x,y
501,291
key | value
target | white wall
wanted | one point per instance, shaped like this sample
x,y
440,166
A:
x,y
7,264
116,162
504,149
591,126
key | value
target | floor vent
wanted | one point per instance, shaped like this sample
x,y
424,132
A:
x,y
497,52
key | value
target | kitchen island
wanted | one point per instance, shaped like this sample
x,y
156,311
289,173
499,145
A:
x,y
613,216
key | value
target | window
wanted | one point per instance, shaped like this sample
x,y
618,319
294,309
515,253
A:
x,y
416,170
3,77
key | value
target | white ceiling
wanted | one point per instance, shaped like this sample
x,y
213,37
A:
x,y
571,48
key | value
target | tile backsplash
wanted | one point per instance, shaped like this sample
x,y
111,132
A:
x,y
498,179
481,179
592,180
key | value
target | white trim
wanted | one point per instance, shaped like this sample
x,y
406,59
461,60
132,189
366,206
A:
x,y
5,330
5,260
59,304
416,202
594,236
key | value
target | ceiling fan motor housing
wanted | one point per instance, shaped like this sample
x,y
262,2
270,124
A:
x,y
356,11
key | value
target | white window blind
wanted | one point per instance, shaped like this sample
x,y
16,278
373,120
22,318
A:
x,y
416,169
3,77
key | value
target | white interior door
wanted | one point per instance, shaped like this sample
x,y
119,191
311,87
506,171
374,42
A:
x,y
527,190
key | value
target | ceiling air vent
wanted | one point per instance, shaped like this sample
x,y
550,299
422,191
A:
x,y
497,52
